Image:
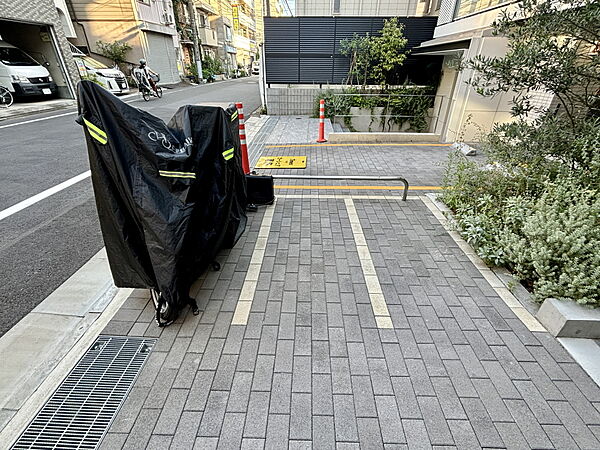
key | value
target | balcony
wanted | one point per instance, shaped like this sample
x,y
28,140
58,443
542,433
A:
x,y
207,7
208,37
243,43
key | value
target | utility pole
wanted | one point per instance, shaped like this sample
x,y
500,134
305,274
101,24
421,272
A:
x,y
197,54
268,8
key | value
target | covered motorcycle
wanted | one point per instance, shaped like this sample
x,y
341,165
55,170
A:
x,y
169,196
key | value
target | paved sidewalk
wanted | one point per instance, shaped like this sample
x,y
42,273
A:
x,y
351,321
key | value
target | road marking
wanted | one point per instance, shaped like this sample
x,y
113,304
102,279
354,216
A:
x,y
42,195
378,304
37,120
358,145
65,114
242,310
391,188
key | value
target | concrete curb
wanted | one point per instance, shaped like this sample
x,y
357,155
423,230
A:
x,y
568,319
16,113
39,343
347,137
584,351
441,211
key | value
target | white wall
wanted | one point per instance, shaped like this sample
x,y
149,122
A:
x,y
154,12
360,7
65,18
471,114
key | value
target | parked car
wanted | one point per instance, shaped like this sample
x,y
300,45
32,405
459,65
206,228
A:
x,y
22,75
111,79
256,68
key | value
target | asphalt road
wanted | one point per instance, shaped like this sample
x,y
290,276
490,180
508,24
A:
x,y
44,244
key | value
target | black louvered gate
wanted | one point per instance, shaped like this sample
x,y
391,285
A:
x,y
306,50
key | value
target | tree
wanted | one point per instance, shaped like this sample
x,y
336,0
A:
x,y
376,57
359,50
553,46
388,50
116,51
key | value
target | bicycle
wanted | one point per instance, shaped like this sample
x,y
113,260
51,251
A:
x,y
6,98
146,88
147,93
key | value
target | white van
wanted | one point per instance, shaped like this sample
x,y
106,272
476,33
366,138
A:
x,y
112,80
22,75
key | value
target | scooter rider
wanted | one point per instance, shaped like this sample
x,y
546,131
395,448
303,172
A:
x,y
146,75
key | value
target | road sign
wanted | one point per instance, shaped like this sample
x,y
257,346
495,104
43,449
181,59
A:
x,y
281,162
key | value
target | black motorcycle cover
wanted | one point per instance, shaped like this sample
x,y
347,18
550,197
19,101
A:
x,y
169,196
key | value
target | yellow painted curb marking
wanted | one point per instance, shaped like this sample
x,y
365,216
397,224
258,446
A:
x,y
358,145
375,188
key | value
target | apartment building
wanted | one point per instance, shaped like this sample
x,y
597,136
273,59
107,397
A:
x,y
464,31
41,28
367,7
147,25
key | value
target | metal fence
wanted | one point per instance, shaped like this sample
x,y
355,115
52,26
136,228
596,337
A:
x,y
306,50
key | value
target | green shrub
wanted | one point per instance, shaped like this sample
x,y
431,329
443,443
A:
x,y
546,231
117,51
93,78
557,245
211,66
409,104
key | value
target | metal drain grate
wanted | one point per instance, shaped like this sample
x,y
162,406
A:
x,y
80,411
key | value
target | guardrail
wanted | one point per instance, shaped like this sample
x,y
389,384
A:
x,y
349,177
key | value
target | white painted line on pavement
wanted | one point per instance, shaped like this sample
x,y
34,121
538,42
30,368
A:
x,y
37,120
380,309
242,310
65,114
42,195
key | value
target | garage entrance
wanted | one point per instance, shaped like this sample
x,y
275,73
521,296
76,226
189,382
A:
x,y
39,42
161,56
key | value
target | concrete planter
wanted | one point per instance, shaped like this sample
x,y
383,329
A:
x,y
566,318
369,120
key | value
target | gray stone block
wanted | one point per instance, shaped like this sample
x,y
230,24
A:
x,y
565,318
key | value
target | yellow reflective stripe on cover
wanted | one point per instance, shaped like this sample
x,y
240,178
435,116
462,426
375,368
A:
x,y
228,154
97,137
234,116
173,174
228,157
96,132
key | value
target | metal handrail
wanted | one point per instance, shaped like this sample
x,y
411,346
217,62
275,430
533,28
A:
x,y
360,94
349,177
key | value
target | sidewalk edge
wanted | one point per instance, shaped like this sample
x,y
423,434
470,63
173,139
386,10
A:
x,y
21,419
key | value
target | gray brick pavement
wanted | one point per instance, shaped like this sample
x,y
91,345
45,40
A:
x,y
420,165
310,369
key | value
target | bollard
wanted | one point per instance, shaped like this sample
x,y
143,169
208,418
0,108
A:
x,y
245,162
322,122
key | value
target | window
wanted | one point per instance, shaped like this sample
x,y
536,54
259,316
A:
x,y
14,57
227,33
336,6
202,22
91,63
466,7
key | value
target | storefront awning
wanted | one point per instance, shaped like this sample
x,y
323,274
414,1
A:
x,y
447,45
